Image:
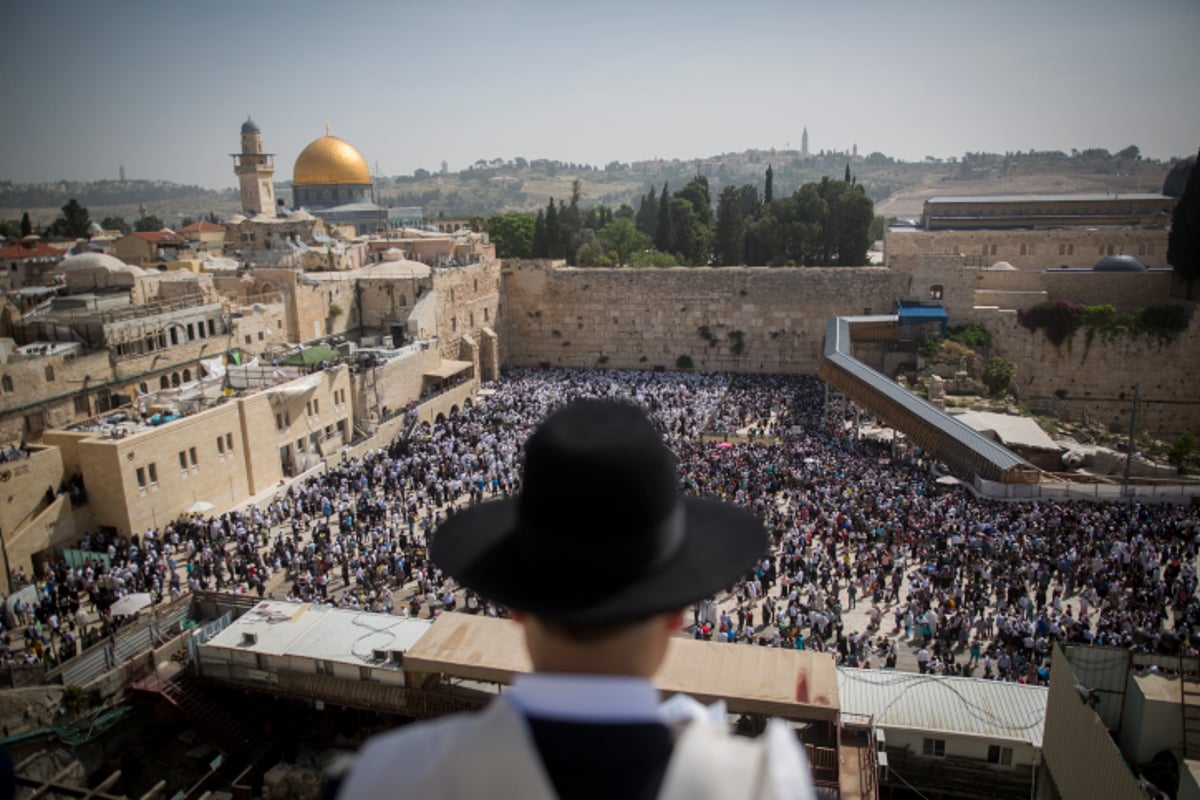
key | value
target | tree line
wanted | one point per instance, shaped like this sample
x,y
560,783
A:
x,y
825,223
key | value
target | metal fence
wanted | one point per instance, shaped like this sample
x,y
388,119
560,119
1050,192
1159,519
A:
x,y
1111,492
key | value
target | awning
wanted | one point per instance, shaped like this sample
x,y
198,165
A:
x,y
447,369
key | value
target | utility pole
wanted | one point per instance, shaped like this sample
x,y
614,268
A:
x,y
1137,389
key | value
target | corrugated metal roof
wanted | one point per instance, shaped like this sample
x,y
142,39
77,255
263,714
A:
x,y
837,351
319,632
997,710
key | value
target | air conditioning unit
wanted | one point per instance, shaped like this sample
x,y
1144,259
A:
x,y
249,638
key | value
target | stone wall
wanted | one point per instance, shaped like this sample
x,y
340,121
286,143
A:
x,y
1027,249
752,319
469,299
1097,382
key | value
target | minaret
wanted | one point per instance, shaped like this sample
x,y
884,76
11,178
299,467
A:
x,y
804,142
255,170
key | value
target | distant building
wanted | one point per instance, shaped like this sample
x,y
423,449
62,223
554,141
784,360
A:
x,y
144,247
25,263
1035,231
804,143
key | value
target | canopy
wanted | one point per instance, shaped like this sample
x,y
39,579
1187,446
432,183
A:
x,y
447,368
131,604
311,355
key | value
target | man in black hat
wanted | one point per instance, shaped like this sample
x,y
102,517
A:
x,y
596,558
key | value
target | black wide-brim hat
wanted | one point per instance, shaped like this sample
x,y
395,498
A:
x,y
599,532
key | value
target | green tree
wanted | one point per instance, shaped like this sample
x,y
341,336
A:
x,y
847,178
729,237
148,223
769,186
72,222
663,228
26,225
997,375
647,215
553,232
1183,242
512,234
624,239
115,224
1181,448
541,246
625,211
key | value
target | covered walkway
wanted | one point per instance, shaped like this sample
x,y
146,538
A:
x,y
944,437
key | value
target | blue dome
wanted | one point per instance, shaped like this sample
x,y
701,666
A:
x,y
249,127
1121,263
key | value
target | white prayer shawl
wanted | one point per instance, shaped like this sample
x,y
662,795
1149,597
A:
x,y
491,755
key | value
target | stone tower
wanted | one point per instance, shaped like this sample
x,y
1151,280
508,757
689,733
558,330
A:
x,y
256,171
804,142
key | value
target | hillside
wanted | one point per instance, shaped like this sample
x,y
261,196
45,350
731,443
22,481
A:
x,y
898,188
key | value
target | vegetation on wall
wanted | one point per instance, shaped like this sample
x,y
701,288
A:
x,y
1060,319
997,375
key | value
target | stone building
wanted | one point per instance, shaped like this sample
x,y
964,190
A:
x,y
256,171
1035,231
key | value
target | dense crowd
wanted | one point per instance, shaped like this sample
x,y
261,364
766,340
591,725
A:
x,y
869,554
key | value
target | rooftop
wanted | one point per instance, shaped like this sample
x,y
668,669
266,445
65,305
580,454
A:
x,y
966,706
1046,198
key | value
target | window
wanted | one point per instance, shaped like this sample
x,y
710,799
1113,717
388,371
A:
x,y
485,315
279,422
934,747
164,382
141,477
7,383
212,328
81,404
182,460
936,291
999,755
1062,249
143,388
229,442
1070,249
192,455
187,375
49,374
220,445
453,326
248,339
153,470
993,249
1022,249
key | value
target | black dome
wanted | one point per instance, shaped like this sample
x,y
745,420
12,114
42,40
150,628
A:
x,y
249,127
1121,263
1177,178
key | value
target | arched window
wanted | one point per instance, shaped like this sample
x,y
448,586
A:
x,y
164,382
174,379
187,375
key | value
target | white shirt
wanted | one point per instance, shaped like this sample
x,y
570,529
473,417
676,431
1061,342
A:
x,y
568,697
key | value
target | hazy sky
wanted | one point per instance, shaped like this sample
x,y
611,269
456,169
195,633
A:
x,y
163,85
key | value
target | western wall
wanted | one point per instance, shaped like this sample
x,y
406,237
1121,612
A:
x,y
649,318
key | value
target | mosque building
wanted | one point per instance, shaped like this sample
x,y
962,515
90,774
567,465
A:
x,y
331,180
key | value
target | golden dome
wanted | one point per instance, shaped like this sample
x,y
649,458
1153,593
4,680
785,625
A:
x,y
330,160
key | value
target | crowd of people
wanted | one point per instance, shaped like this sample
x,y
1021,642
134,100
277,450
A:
x,y
871,559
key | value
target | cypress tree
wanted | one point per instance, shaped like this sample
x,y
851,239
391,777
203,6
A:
x,y
769,189
647,216
540,250
26,225
662,231
553,234
847,178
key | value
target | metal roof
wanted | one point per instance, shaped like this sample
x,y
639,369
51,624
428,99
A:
x,y
913,312
837,352
306,630
997,710
1045,198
